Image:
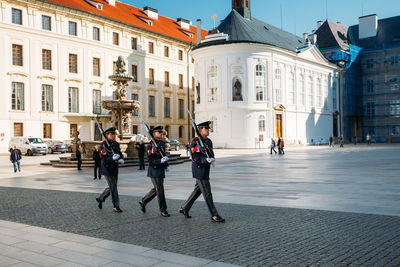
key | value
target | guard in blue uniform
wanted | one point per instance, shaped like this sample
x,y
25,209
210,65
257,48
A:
x,y
202,159
158,163
110,158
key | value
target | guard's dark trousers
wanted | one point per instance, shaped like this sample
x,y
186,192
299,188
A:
x,y
97,167
157,190
202,187
111,189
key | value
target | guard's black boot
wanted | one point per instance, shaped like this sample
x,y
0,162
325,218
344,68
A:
x,y
218,219
142,206
117,209
165,214
185,213
100,203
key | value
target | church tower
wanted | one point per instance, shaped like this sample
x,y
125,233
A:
x,y
243,7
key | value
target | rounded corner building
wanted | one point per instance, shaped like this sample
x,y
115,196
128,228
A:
x,y
256,82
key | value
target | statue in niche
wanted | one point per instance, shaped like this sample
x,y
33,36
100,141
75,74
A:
x,y
121,65
198,93
237,90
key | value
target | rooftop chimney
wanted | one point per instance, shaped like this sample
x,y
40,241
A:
x,y
151,12
111,2
184,23
198,24
319,23
367,26
242,7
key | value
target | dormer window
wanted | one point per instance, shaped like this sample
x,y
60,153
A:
x,y
148,21
95,4
191,35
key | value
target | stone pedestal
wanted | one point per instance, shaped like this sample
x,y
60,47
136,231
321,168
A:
x,y
128,147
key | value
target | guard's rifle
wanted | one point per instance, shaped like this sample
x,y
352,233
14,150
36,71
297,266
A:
x,y
152,137
104,134
196,130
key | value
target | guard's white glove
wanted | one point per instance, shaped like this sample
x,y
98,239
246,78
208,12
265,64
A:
x,y
116,157
211,160
121,161
164,159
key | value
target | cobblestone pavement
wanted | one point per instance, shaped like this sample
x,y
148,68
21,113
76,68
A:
x,y
252,235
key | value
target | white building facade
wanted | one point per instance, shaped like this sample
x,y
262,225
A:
x,y
56,59
253,91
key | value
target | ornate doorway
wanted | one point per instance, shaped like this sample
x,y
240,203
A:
x,y
278,123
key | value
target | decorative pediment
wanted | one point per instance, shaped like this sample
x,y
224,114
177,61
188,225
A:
x,y
17,73
77,80
279,107
99,83
47,76
313,54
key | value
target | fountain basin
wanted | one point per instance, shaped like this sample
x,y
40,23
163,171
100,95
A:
x,y
121,104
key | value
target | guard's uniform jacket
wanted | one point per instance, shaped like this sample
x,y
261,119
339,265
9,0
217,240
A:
x,y
109,167
200,166
156,169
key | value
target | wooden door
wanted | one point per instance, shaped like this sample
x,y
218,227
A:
x,y
278,125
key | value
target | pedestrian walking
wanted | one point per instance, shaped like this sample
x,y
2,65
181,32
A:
x,y
141,150
15,158
272,146
79,156
281,146
97,163
355,140
368,137
111,156
158,164
341,141
331,141
202,158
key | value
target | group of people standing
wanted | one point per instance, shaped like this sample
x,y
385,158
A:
x,y
280,144
202,159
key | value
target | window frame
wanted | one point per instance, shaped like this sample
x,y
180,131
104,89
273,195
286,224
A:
x,y
96,67
46,23
73,98
47,59
16,16
47,98
16,103
73,63
17,55
72,28
96,33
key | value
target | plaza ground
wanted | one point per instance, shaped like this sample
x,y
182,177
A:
x,y
312,206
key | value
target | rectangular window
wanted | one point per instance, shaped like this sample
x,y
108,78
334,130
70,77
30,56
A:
x,y
134,43
16,16
17,96
17,55
167,107
181,109
370,63
73,100
72,129
72,28
134,73
166,51
115,38
46,130
394,60
151,48
136,98
193,83
166,78
151,76
73,63
370,86
46,23
370,110
135,129
96,34
96,101
96,66
18,129
180,81
180,131
180,55
46,59
152,111
47,98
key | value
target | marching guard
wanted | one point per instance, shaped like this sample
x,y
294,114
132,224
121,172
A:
x,y
201,149
158,163
111,156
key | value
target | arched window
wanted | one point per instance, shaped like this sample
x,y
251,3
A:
x,y
261,123
334,95
260,83
277,85
319,93
213,84
213,124
291,89
302,94
310,91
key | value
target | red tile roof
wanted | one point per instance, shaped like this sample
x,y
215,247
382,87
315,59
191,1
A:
x,y
130,15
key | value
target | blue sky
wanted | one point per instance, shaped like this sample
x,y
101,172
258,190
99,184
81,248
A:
x,y
297,16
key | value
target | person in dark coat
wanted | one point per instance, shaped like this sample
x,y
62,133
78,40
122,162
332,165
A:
x,y
97,163
272,146
111,156
79,156
202,159
158,163
15,158
141,150
279,145
331,141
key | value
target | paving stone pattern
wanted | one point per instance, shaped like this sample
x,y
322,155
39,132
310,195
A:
x,y
252,235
